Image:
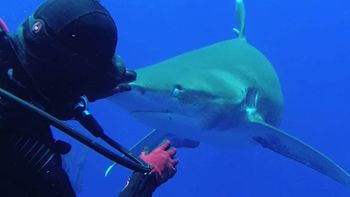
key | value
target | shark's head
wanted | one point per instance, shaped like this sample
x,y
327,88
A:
x,y
199,91
179,100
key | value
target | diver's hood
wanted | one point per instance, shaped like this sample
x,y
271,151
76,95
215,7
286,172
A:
x,y
67,49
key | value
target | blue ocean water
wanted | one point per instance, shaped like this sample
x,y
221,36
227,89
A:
x,y
309,46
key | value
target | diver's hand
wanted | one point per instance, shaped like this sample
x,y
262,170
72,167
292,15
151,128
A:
x,y
127,77
3,25
163,162
124,86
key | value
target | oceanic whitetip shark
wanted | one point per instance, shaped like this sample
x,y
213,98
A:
x,y
226,94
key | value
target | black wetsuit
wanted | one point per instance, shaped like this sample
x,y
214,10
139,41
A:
x,y
31,164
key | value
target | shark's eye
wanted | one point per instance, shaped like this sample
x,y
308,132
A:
x,y
177,90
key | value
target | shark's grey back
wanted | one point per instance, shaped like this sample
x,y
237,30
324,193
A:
x,y
233,64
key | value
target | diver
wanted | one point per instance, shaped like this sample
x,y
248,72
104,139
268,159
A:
x,y
62,53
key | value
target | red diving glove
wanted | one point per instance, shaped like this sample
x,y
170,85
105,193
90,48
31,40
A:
x,y
3,25
163,162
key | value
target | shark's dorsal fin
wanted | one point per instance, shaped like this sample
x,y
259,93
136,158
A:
x,y
240,14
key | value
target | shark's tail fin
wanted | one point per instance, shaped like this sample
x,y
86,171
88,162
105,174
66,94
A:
x,y
240,14
282,143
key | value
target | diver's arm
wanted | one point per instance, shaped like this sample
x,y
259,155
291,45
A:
x,y
163,168
140,185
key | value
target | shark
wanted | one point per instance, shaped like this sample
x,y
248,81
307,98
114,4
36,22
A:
x,y
226,94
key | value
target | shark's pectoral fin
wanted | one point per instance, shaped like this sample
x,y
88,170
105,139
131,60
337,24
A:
x,y
281,142
153,139
183,142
